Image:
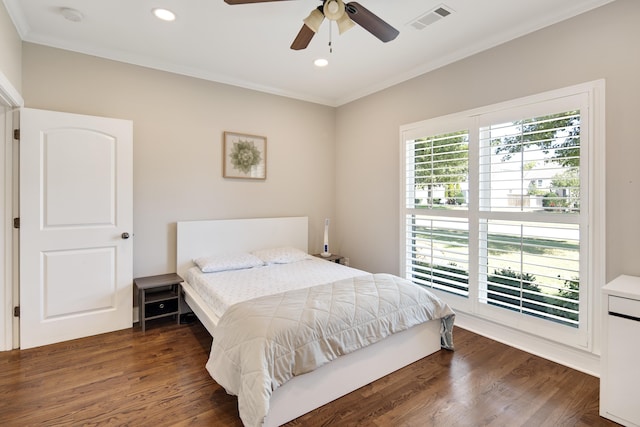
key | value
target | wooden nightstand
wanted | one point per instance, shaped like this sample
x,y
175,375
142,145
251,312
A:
x,y
338,259
158,296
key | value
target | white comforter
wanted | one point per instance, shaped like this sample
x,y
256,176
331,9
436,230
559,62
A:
x,y
260,344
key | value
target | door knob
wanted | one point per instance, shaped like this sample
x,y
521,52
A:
x,y
125,235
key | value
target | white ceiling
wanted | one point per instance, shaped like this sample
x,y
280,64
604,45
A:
x,y
248,45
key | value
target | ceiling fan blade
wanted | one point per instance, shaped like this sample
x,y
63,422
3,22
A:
x,y
371,22
249,1
303,38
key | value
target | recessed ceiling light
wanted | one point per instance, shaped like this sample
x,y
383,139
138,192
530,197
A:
x,y
71,14
321,62
164,14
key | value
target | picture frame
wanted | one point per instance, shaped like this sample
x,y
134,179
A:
x,y
244,156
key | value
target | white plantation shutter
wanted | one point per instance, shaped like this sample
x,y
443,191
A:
x,y
437,182
529,251
437,170
521,269
520,169
496,212
438,252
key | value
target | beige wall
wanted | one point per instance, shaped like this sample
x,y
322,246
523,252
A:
x,y
10,50
178,124
595,45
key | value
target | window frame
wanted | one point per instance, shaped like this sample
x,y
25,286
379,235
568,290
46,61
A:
x,y
590,96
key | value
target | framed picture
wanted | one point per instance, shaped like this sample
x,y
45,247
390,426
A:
x,y
244,156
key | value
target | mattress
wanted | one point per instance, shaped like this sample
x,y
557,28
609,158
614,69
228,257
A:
x,y
223,289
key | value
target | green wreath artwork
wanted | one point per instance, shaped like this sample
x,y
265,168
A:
x,y
244,155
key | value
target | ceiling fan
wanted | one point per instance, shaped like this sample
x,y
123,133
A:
x,y
345,15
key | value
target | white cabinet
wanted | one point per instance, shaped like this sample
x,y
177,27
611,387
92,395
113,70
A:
x,y
620,369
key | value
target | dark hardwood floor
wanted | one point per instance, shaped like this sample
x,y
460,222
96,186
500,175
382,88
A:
x,y
158,379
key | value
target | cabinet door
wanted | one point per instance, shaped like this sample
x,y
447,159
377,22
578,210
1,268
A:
x,y
623,369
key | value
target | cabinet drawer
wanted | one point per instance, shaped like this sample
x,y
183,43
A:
x,y
158,308
625,306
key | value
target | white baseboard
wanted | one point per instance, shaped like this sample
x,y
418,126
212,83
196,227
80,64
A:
x,y
574,358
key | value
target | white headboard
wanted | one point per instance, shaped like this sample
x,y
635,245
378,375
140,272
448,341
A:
x,y
216,237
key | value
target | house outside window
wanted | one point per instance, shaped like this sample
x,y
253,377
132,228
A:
x,y
499,211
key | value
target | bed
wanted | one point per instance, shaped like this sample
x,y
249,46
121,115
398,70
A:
x,y
338,376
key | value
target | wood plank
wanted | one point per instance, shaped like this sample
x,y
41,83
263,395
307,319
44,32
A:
x,y
158,378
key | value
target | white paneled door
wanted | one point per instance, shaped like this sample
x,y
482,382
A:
x,y
75,226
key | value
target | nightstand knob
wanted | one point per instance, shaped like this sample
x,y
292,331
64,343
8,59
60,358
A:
x,y
125,235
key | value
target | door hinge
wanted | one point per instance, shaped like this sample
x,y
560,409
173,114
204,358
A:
x,y
16,311
16,222
16,134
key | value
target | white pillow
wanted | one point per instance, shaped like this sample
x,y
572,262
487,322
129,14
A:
x,y
212,264
283,255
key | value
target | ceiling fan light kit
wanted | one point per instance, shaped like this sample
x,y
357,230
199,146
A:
x,y
344,23
346,16
333,9
314,20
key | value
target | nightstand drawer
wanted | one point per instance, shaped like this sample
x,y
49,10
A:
x,y
158,308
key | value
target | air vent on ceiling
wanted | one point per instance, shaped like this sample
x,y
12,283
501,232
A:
x,y
430,17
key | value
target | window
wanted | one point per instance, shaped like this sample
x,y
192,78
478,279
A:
x,y
500,207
